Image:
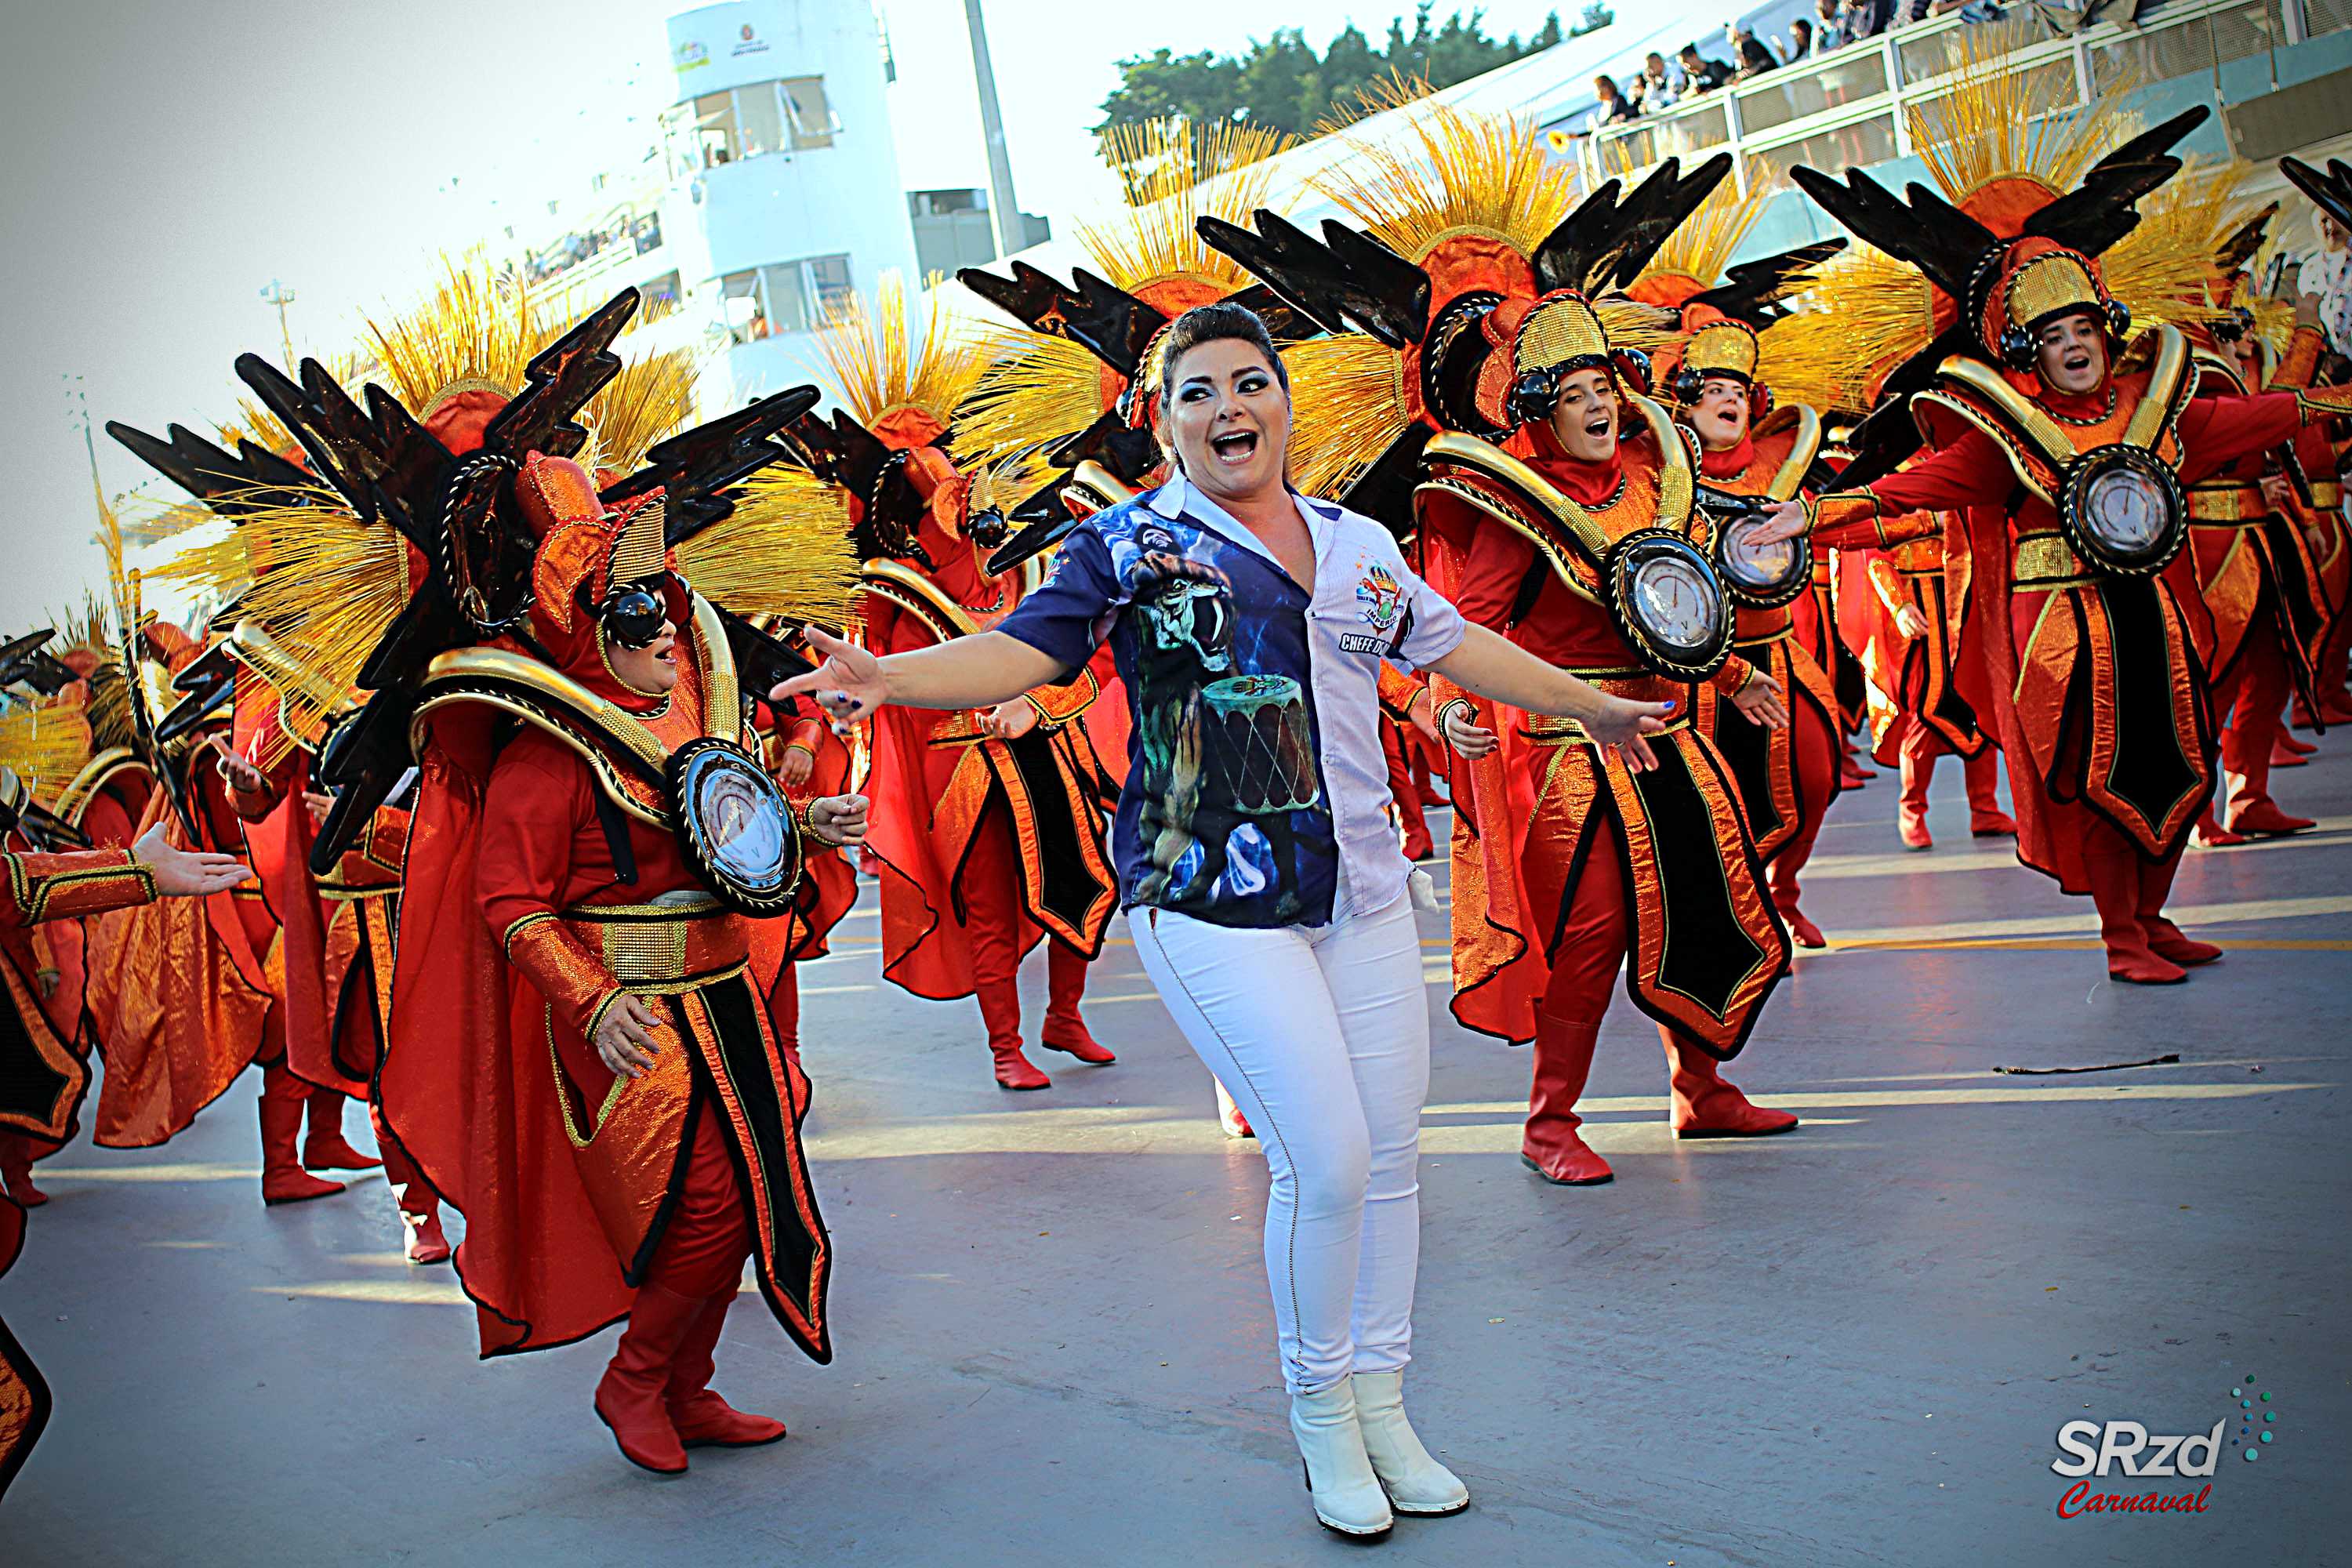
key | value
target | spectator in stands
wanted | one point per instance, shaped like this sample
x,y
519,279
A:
x,y
1800,45
1750,56
1829,27
1614,107
1866,18
1703,74
1660,87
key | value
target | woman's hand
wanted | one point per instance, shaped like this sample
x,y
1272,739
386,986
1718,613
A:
x,y
838,819
1911,623
793,766
187,873
624,1037
1619,723
1464,734
1760,701
241,775
1009,720
849,685
1786,521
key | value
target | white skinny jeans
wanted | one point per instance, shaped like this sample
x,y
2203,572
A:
x,y
1321,1035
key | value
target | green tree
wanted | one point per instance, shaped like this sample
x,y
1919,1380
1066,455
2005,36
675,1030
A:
x,y
1281,82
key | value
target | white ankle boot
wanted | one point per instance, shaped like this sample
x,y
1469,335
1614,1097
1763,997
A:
x,y
1416,1484
1347,1494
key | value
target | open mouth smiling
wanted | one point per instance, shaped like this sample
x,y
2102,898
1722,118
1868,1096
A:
x,y
1234,446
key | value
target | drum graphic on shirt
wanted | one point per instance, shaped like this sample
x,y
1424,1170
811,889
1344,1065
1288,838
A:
x,y
1260,747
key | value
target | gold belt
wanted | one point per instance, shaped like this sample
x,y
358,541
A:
x,y
2226,503
1638,685
663,947
1767,640
2045,560
2326,493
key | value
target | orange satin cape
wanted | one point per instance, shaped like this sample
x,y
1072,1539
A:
x,y
182,993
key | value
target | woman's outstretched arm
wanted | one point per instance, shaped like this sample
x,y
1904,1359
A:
x,y
969,672
1490,665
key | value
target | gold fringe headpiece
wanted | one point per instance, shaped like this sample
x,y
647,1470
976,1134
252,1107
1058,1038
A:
x,y
882,372
46,745
1173,172
1463,174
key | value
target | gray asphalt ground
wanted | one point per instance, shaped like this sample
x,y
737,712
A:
x,y
1853,1345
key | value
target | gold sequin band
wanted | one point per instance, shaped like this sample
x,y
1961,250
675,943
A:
x,y
2327,494
661,948
2227,501
1636,685
2045,560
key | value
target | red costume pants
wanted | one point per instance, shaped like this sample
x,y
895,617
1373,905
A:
x,y
990,886
2251,698
1813,758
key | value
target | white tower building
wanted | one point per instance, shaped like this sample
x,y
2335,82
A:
x,y
784,192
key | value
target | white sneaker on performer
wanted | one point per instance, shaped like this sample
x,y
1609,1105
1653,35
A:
x,y
1347,1494
1416,1484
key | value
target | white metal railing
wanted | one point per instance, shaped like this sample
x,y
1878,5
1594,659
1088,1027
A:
x,y
1850,107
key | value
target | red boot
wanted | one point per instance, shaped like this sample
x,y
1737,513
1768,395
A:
x,y
630,1396
17,1172
1063,1029
2264,817
1916,762
2168,942
2113,868
1000,1009
326,1148
424,1243
1551,1147
283,1179
1985,818
2209,832
702,1419
1230,1119
1706,1106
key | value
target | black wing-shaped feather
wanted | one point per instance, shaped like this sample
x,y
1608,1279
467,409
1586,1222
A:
x,y
2331,190
1888,437
1924,230
845,453
1611,237
1096,314
2101,210
233,486
1127,453
1383,492
558,383
1346,281
696,469
1753,291
383,462
2245,240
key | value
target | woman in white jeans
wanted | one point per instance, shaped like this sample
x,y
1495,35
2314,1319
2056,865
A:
x,y
1261,880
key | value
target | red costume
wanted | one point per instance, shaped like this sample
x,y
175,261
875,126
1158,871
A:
x,y
1930,719
2260,580
2112,784
44,1076
984,845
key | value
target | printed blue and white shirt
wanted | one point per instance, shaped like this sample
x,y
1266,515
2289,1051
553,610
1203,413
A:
x,y
1254,768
